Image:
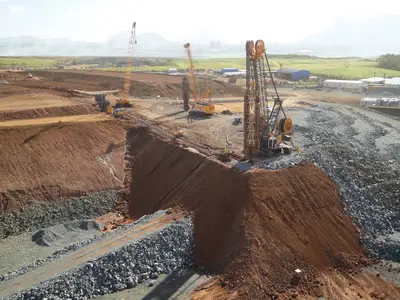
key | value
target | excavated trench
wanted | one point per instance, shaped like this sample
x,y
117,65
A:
x,y
253,228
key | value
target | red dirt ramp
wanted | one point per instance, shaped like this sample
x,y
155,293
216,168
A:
x,y
256,227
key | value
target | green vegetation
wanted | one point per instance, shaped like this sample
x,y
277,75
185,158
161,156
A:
x,y
389,61
26,62
339,68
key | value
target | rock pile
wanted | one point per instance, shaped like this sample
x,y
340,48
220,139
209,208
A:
x,y
369,179
159,253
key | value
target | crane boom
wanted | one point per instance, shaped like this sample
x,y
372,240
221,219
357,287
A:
x,y
200,107
192,74
124,101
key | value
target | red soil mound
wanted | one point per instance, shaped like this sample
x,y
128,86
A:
x,y
256,227
61,160
74,110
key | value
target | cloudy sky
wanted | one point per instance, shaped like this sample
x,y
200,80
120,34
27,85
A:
x,y
229,21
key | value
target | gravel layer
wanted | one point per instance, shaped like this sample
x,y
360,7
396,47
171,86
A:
x,y
366,169
37,215
76,246
160,253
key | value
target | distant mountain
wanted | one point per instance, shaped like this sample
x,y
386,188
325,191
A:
x,y
365,37
357,37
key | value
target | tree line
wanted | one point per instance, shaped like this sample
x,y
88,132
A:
x,y
389,61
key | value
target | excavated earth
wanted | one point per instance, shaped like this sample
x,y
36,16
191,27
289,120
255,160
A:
x,y
61,160
144,85
73,110
255,228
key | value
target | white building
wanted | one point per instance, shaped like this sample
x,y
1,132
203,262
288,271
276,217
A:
x,y
393,82
344,84
374,80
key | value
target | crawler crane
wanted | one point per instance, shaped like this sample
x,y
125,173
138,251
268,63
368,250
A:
x,y
202,103
123,101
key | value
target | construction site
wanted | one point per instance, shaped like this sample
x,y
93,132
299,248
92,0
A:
x,y
148,186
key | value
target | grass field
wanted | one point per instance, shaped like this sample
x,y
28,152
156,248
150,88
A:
x,y
26,62
345,68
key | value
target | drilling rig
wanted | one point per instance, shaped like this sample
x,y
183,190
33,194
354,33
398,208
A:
x,y
202,103
123,101
264,131
186,93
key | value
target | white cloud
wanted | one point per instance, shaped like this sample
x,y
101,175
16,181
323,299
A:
x,y
15,9
3,1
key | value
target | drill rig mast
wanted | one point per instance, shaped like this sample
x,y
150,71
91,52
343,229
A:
x,y
263,130
202,104
124,100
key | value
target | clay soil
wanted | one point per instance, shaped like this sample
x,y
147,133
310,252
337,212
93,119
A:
x,y
59,160
255,228
143,84
73,110
17,98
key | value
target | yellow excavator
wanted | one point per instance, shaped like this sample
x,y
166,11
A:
x,y
202,103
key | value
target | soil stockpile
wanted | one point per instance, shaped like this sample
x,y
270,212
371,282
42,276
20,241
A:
x,y
255,228
59,161
74,110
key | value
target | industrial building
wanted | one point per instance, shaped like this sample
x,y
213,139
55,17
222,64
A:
x,y
294,74
392,82
229,70
345,84
379,90
374,80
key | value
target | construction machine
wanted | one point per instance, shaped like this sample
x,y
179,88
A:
x,y
124,101
118,113
186,93
237,121
266,129
202,102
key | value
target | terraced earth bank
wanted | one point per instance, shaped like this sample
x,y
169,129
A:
x,y
61,160
255,228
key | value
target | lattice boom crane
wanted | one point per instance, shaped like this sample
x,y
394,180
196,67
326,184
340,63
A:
x,y
202,106
124,100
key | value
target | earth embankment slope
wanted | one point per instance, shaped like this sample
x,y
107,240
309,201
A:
x,y
257,227
142,85
59,160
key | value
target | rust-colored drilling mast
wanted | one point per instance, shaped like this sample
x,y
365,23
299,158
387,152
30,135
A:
x,y
264,128
252,101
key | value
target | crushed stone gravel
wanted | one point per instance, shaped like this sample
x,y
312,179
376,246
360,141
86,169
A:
x,y
75,246
162,252
37,215
366,169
